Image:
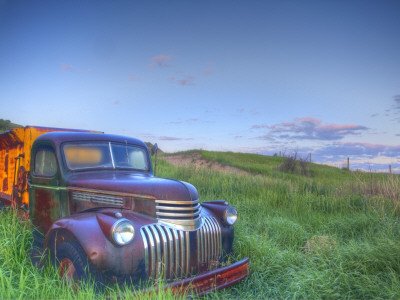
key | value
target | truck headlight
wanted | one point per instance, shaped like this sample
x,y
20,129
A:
x,y
122,232
230,215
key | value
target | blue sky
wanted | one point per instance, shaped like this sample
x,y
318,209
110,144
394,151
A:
x,y
320,77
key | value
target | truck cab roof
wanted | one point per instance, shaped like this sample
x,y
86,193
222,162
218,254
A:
x,y
60,137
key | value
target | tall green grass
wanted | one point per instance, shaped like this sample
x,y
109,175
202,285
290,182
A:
x,y
19,279
334,234
322,236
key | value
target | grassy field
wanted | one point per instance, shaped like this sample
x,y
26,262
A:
x,y
332,234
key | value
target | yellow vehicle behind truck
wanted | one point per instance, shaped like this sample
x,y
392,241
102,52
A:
x,y
15,150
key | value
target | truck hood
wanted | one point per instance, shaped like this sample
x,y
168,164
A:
x,y
133,183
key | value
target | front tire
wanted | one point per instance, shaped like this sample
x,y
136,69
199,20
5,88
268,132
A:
x,y
71,261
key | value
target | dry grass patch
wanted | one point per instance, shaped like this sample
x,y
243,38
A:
x,y
320,243
196,161
383,190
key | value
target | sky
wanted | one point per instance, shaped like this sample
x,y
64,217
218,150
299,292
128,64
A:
x,y
312,77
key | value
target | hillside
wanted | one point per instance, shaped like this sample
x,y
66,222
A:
x,y
331,234
328,234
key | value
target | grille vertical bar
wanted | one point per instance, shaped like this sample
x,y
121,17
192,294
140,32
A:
x,y
209,241
167,250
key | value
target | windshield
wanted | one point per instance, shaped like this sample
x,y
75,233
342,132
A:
x,y
110,155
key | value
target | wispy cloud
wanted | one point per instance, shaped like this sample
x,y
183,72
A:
x,y
397,101
364,156
252,112
173,138
133,77
186,121
161,60
164,137
309,128
183,81
396,107
359,149
393,111
208,70
67,67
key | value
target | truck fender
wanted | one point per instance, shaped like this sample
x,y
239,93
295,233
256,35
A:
x,y
90,230
83,229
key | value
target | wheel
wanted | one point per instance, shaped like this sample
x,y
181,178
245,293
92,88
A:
x,y
71,261
73,265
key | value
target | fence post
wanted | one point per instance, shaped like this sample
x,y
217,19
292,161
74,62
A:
x,y
390,169
348,163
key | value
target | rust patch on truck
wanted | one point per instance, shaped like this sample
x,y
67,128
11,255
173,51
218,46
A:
x,y
43,207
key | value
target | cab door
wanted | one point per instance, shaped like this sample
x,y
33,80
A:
x,y
44,189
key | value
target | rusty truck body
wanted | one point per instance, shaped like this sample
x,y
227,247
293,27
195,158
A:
x,y
97,206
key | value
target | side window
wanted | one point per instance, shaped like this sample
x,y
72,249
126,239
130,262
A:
x,y
45,163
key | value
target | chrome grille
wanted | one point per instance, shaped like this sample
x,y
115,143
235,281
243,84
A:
x,y
180,214
98,198
167,250
209,241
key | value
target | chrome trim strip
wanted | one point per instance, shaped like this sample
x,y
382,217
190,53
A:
x,y
176,202
158,251
177,253
215,233
185,225
177,214
151,269
183,257
187,253
146,249
199,247
179,208
165,265
170,271
47,187
210,239
97,198
105,192
216,253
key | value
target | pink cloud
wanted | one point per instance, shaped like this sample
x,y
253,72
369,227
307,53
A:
x,y
184,81
132,77
208,70
161,60
66,67
309,128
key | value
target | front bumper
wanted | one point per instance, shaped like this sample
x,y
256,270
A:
x,y
212,280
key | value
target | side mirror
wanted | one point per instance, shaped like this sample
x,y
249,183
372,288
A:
x,y
154,149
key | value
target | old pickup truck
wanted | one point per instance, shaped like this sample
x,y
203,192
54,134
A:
x,y
100,211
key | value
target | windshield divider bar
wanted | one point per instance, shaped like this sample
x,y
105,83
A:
x,y
112,156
